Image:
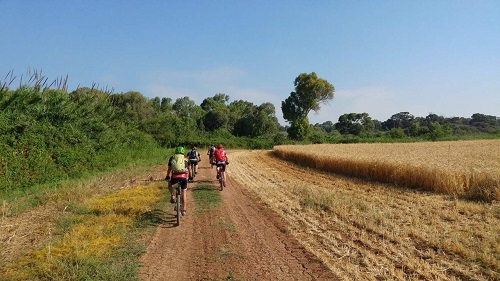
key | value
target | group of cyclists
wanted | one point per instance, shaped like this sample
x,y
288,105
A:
x,y
180,168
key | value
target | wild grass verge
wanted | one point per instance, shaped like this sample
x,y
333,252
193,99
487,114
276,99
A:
x,y
71,191
96,241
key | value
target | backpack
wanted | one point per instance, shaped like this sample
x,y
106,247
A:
x,y
178,164
212,149
193,155
220,155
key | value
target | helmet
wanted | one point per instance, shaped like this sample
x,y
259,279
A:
x,y
219,146
179,150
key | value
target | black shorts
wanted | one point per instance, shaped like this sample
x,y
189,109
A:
x,y
221,164
182,181
193,161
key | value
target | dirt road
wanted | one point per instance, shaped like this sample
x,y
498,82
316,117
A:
x,y
240,240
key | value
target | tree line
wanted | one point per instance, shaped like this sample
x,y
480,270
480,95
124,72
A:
x,y
48,133
311,91
404,125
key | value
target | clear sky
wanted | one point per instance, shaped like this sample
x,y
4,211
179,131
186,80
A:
x,y
383,57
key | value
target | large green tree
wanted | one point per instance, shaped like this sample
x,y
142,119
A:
x,y
310,92
354,123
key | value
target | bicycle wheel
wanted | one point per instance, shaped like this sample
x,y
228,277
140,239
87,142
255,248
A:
x,y
178,206
221,181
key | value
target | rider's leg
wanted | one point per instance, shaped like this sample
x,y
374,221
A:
x,y
171,189
223,171
184,200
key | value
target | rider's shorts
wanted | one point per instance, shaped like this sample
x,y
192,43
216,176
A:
x,y
182,181
193,161
221,164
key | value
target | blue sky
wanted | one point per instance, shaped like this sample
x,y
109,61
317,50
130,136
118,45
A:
x,y
382,57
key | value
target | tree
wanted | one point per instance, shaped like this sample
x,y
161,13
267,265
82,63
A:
x,y
483,121
435,131
310,92
400,120
327,126
216,119
217,101
134,105
354,123
186,108
254,121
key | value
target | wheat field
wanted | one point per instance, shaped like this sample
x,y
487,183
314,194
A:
x,y
366,230
461,168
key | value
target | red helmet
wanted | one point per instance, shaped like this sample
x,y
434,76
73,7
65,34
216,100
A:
x,y
219,146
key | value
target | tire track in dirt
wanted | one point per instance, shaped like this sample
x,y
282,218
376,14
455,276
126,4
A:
x,y
242,239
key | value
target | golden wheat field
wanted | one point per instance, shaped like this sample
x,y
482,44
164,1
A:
x,y
367,230
461,168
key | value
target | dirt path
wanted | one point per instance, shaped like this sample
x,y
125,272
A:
x,y
240,240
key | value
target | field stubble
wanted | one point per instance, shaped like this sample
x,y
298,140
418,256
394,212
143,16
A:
x,y
371,231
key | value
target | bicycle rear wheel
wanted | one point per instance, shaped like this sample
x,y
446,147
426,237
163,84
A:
x,y
178,207
221,181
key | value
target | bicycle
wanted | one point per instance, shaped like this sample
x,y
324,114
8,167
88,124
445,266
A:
x,y
222,178
178,203
193,165
211,160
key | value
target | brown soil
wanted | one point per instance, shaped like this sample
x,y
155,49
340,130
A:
x,y
242,239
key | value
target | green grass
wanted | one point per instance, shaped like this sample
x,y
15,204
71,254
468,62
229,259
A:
x,y
206,198
99,240
72,191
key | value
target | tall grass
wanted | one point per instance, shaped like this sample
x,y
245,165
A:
x,y
48,135
465,168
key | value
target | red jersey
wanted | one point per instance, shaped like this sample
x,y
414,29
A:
x,y
220,155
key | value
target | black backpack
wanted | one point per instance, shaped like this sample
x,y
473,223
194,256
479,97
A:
x,y
193,154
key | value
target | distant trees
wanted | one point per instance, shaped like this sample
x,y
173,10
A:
x,y
400,120
403,124
310,92
354,124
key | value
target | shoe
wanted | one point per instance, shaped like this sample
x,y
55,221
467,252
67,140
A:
x,y
183,212
172,200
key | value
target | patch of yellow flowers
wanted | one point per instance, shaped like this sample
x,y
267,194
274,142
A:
x,y
96,232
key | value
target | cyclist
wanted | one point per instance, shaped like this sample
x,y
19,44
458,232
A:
x,y
221,160
194,157
180,170
210,153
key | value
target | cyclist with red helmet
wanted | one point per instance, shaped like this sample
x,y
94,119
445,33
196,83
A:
x,y
221,160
